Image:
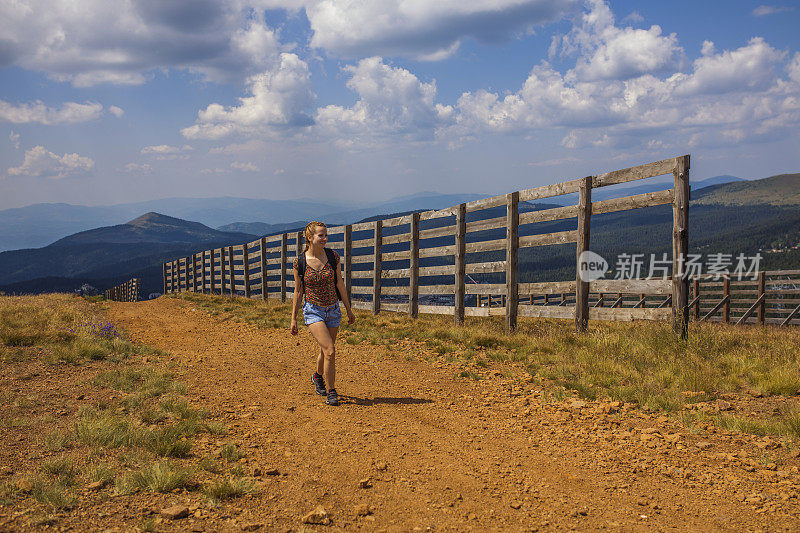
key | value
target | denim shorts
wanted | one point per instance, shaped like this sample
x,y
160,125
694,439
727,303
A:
x,y
332,315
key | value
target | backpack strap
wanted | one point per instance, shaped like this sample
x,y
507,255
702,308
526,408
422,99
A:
x,y
335,266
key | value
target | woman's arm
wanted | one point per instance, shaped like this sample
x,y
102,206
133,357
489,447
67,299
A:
x,y
297,297
345,297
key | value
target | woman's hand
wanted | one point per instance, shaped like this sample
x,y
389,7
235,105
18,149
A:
x,y
350,317
293,327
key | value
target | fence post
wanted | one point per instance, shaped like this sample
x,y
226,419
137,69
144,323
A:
x,y
582,287
680,247
230,271
512,253
263,261
460,263
762,285
175,277
413,274
203,272
164,276
222,272
376,273
194,272
726,292
283,266
212,264
246,271
348,261
697,296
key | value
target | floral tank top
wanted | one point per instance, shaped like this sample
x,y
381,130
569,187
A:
x,y
319,286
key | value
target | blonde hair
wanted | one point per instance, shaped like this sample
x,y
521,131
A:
x,y
309,232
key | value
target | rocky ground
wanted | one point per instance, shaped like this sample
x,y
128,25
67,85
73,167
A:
x,y
413,447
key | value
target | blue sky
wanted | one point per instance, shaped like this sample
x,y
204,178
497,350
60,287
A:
x,y
107,102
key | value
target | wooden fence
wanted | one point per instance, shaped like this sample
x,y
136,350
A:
x,y
772,297
125,292
397,264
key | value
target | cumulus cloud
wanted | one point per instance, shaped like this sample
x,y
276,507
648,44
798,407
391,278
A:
x,y
38,112
88,42
116,111
39,162
391,101
244,167
280,99
611,52
763,10
14,137
136,168
422,30
165,152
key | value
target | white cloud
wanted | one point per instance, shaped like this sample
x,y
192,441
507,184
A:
x,y
14,137
634,16
280,98
116,111
38,112
214,171
136,168
764,10
793,68
609,52
253,146
244,167
40,162
422,29
165,152
391,101
88,42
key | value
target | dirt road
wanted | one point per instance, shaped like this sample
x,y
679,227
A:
x,y
415,447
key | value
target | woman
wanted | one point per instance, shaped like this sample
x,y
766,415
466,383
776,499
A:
x,y
319,285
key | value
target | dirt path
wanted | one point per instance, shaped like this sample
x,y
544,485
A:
x,y
445,452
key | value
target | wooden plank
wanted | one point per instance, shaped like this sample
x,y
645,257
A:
x,y
786,321
423,289
254,255
485,288
549,311
356,274
397,221
396,273
633,286
782,272
394,307
262,259
750,310
628,314
367,258
361,226
284,240
512,254
363,243
625,175
715,308
446,212
348,259
487,267
335,230
547,287
413,278
546,239
547,215
437,232
394,239
358,304
436,309
489,223
548,191
582,287
487,246
246,273
680,246
376,278
436,252
636,201
486,203
460,263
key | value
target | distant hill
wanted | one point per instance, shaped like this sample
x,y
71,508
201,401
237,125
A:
x,y
115,250
262,228
783,189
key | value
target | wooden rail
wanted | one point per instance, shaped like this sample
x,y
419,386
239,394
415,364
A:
x,y
125,292
387,263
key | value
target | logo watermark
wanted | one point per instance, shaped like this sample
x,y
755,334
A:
x,y
716,266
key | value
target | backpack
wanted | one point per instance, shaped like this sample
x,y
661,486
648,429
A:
x,y
301,269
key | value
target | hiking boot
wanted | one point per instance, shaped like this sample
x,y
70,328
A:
x,y
319,384
333,397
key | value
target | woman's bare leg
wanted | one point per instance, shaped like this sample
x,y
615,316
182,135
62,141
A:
x,y
325,337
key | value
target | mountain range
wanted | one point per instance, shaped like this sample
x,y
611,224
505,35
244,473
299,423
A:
x,y
42,224
723,218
